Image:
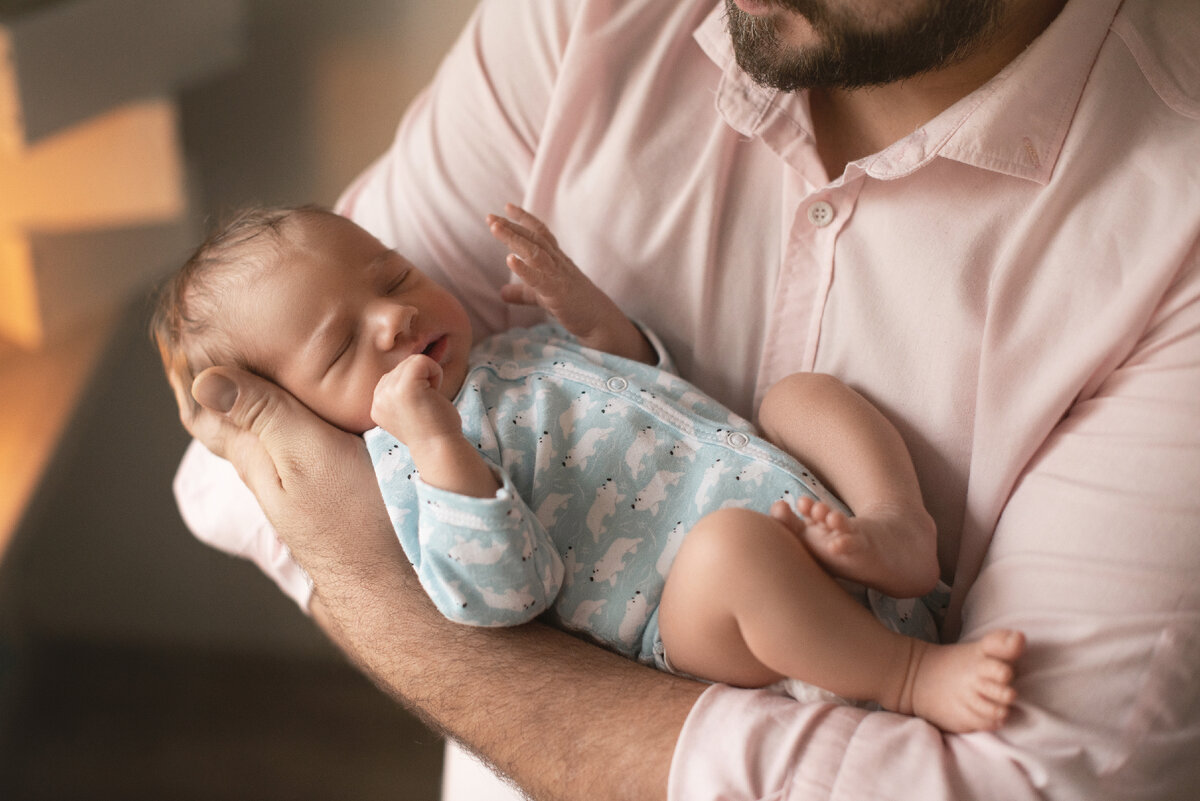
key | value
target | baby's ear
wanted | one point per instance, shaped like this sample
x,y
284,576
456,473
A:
x,y
180,377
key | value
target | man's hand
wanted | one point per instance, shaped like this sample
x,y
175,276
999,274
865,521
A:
x,y
316,484
553,282
313,481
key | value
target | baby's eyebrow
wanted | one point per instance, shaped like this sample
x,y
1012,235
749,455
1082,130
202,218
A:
x,y
380,260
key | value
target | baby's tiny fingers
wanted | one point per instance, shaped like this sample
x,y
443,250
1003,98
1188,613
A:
x,y
541,278
519,294
530,222
520,240
421,368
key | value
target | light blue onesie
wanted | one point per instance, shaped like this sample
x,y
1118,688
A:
x,y
605,463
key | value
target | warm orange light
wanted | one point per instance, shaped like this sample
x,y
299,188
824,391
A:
x,y
92,194
19,318
122,168
119,168
37,393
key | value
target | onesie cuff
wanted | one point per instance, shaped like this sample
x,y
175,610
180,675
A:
x,y
501,510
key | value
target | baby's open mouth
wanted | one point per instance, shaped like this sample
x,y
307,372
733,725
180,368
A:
x,y
435,349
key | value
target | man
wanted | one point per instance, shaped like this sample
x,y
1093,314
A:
x,y
981,215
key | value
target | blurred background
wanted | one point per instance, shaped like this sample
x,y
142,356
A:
x,y
135,662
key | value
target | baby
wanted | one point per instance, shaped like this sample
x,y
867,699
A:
x,y
564,471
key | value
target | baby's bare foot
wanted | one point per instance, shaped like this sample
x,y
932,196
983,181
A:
x,y
964,686
863,548
828,530
845,546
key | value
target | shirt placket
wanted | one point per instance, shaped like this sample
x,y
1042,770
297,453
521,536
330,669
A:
x,y
813,219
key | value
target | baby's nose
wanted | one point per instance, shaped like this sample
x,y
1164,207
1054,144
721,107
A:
x,y
393,324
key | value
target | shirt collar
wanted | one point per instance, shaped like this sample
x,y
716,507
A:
x,y
1161,36
1014,124
740,101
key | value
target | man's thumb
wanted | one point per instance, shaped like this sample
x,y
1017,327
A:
x,y
215,392
232,435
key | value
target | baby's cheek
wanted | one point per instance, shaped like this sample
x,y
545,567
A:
x,y
359,405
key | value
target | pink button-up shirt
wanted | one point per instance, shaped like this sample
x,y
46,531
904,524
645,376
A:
x,y
1016,284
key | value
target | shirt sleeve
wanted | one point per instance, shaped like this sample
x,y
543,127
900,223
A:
x,y
1095,558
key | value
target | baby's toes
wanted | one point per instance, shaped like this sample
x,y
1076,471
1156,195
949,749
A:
x,y
842,543
838,521
782,513
820,510
997,692
989,714
1003,644
996,672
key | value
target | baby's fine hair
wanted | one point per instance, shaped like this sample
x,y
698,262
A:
x,y
185,323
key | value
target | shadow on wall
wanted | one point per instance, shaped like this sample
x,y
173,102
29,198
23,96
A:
x,y
135,662
318,98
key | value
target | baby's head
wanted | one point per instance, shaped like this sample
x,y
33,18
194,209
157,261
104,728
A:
x,y
311,301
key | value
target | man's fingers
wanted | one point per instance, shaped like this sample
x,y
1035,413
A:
x,y
249,403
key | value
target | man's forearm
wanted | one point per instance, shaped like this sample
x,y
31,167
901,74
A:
x,y
562,718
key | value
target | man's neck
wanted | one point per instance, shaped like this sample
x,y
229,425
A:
x,y
851,124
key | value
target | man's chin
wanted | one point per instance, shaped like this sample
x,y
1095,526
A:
x,y
791,48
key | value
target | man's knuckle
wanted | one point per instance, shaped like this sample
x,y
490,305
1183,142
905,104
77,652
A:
x,y
258,411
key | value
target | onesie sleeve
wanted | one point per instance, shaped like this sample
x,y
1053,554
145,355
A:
x,y
485,561
482,561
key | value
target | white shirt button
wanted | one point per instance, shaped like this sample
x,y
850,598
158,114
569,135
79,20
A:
x,y
617,384
737,439
820,214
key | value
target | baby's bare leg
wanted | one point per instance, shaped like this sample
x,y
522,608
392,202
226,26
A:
x,y
746,604
891,542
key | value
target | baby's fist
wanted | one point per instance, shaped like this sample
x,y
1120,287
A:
x,y
408,402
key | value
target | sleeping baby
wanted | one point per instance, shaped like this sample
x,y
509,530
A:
x,y
565,472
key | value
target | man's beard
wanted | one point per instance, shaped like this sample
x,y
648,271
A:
x,y
936,35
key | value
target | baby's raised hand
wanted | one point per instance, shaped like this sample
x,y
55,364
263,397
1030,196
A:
x,y
552,281
409,405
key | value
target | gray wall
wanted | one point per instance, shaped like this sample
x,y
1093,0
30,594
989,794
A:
x,y
101,553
